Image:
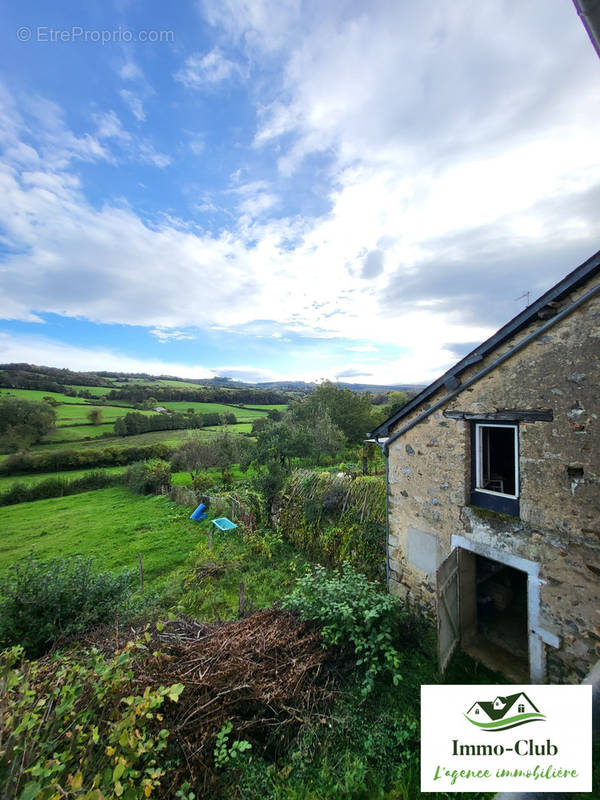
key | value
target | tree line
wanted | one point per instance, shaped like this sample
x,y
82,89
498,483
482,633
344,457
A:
x,y
163,394
135,423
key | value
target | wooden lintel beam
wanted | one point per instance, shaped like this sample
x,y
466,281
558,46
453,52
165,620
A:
x,y
544,415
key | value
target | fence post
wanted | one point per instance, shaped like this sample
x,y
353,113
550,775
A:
x,y
141,573
242,600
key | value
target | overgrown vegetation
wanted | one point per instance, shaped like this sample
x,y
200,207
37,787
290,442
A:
x,y
336,518
148,477
41,601
254,684
77,726
357,616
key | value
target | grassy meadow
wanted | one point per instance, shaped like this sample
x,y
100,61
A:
x,y
112,525
38,395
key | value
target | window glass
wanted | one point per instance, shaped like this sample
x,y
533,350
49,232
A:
x,y
497,459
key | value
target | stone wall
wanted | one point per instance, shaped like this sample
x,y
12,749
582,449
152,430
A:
x,y
559,524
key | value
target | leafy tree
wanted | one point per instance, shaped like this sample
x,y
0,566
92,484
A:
x,y
24,422
325,436
259,425
396,400
95,416
350,411
277,444
328,437
227,449
194,455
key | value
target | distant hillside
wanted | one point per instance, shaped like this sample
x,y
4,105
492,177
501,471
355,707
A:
x,y
53,379
47,379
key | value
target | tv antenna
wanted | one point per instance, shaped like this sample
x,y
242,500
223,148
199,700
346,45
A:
x,y
521,296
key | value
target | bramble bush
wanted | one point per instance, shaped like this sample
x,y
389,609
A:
x,y
74,726
354,613
335,519
43,600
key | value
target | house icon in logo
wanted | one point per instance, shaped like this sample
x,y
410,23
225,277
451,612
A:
x,y
503,712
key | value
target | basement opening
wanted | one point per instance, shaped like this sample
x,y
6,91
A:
x,y
483,605
495,616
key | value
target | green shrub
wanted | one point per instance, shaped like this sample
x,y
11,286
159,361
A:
x,y
76,727
148,477
356,614
42,600
202,481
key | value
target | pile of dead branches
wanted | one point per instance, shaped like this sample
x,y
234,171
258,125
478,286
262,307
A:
x,y
267,674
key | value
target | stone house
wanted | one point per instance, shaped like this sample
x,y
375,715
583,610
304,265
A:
x,y
493,476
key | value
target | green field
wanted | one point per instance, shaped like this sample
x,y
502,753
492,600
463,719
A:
x,y
38,396
73,428
277,406
71,413
76,433
152,437
241,414
112,525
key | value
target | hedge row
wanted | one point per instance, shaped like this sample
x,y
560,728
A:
x,y
336,519
58,487
59,460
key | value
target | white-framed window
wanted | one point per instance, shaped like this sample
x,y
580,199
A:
x,y
497,460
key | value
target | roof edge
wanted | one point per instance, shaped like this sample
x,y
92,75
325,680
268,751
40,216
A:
x,y
568,284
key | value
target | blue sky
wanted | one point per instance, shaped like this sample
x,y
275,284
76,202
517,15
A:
x,y
276,189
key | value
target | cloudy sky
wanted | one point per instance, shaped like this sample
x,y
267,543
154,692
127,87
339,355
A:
x,y
274,189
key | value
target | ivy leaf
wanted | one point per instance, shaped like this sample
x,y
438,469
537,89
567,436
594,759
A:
x,y
30,791
174,691
77,781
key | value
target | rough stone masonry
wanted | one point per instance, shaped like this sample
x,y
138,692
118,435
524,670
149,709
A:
x,y
558,526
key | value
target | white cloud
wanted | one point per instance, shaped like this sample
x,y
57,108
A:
x,y
130,71
134,103
165,335
205,70
263,25
247,374
110,127
459,148
42,351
